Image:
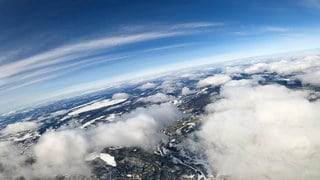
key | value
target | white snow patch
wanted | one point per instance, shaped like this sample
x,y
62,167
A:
x,y
97,105
108,159
58,113
111,117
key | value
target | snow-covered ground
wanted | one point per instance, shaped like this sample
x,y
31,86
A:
x,y
96,105
107,158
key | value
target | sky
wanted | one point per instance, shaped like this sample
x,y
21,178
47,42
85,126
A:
x,y
51,49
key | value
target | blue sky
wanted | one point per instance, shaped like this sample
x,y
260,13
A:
x,y
54,48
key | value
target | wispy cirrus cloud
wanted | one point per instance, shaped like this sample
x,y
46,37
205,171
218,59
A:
x,y
86,53
26,79
256,30
311,3
275,29
54,56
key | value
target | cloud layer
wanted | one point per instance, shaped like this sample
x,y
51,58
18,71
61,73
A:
x,y
262,132
215,80
158,98
64,152
19,127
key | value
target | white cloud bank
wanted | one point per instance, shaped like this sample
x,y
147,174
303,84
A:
x,y
64,152
147,86
138,128
158,98
59,153
186,91
263,132
19,127
215,80
286,67
312,77
120,96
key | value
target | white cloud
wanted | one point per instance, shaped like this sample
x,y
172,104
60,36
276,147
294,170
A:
x,y
19,127
312,77
286,67
242,82
275,29
186,91
233,69
138,128
215,80
300,65
120,96
55,60
262,132
11,159
158,98
167,47
311,3
194,25
257,68
65,152
61,153
57,55
147,86
169,86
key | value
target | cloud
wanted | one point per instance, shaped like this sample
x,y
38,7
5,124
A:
x,y
59,153
120,96
215,80
194,25
200,25
138,128
54,60
65,152
19,127
167,47
56,55
233,70
257,68
51,71
262,30
262,132
275,29
311,3
311,77
186,91
170,86
12,161
286,67
147,86
158,98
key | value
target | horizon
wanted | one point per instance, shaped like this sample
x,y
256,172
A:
x,y
96,87
52,47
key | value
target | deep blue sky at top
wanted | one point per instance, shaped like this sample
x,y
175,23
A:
x,y
50,47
